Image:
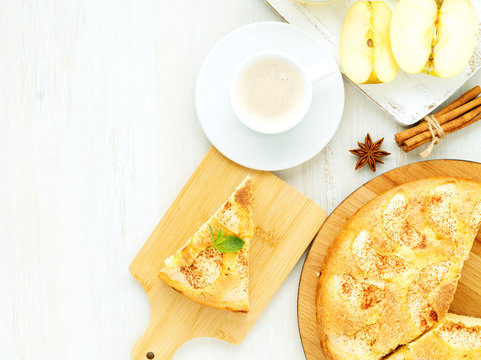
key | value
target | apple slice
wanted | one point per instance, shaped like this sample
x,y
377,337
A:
x,y
435,38
366,54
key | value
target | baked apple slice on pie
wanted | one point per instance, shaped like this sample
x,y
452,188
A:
x,y
212,268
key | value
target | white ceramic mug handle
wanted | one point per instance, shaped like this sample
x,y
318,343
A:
x,y
322,69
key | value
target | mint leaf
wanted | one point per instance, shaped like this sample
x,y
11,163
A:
x,y
225,244
229,244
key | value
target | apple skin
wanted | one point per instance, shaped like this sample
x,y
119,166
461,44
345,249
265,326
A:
x,y
438,40
366,54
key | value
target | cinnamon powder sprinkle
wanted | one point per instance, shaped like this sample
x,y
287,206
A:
x,y
363,294
243,196
455,326
460,335
204,270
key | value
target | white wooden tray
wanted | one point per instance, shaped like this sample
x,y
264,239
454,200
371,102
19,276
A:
x,y
409,97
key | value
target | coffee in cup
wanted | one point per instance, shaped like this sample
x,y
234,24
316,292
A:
x,y
271,92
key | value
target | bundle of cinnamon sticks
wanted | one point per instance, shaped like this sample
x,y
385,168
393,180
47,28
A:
x,y
460,113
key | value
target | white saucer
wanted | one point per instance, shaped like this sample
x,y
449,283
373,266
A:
x,y
247,147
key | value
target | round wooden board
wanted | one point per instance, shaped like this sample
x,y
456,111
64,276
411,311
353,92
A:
x,y
468,295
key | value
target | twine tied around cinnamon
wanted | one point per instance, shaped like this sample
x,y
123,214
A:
x,y
436,131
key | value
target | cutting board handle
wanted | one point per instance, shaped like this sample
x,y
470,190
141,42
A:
x,y
161,341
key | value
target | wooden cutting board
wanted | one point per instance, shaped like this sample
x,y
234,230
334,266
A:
x,y
468,295
285,223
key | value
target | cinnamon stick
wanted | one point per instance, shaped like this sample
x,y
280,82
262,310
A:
x,y
463,99
448,128
453,114
464,103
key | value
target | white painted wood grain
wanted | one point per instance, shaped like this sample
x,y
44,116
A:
x,y
98,133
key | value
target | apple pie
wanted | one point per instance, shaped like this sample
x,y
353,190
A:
x,y
391,273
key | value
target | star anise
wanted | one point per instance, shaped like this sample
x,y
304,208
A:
x,y
369,153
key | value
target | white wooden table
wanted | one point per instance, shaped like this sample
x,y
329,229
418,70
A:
x,y
98,133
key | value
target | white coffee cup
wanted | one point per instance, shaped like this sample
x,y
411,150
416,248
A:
x,y
308,75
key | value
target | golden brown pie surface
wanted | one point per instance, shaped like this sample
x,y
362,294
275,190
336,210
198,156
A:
x,y
391,273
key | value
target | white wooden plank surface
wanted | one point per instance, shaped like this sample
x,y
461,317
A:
x,y
98,133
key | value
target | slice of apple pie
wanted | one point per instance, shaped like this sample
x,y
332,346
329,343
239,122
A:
x,y
212,268
455,337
